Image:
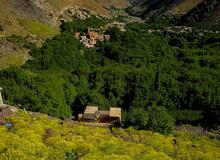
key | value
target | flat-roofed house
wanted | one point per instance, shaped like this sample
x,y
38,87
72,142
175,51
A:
x,y
115,114
91,113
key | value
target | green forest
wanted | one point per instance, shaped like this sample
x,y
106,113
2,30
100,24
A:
x,y
159,79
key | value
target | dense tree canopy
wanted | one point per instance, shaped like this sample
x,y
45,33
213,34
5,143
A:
x,y
134,70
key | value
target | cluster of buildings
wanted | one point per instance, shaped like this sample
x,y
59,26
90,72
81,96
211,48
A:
x,y
93,114
92,37
175,29
182,29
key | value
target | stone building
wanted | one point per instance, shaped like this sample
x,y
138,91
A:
x,y
92,113
92,37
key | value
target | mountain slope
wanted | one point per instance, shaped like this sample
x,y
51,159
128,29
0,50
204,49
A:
x,y
182,7
193,10
14,13
38,20
147,8
208,10
46,12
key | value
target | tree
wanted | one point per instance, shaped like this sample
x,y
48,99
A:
x,y
159,120
154,118
138,118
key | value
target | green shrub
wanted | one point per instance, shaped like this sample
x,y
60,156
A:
x,y
159,120
154,118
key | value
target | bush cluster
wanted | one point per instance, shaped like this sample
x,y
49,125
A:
x,y
36,136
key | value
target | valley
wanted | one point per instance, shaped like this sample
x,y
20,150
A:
x,y
109,79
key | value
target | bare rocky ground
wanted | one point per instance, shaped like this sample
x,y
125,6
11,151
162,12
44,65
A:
x,y
6,111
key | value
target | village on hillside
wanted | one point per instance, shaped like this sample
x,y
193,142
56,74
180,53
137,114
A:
x,y
92,36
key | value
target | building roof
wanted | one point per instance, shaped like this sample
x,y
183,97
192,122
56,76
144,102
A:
x,y
115,112
91,110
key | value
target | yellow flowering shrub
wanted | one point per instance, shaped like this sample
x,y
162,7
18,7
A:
x,y
36,136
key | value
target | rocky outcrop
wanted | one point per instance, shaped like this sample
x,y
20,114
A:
x,y
35,9
6,111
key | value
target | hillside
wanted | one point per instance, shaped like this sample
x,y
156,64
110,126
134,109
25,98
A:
x,y
45,12
24,17
147,8
160,80
206,11
144,73
191,10
182,7
37,20
12,54
34,136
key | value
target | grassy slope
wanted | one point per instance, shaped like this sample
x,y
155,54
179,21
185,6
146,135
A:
x,y
13,59
8,19
36,136
38,28
12,53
